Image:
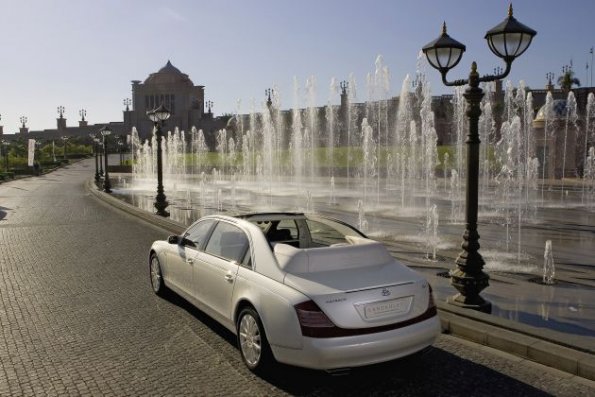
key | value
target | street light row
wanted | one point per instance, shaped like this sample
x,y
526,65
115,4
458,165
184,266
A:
x,y
158,116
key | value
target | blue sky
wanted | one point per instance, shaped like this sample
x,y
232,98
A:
x,y
83,54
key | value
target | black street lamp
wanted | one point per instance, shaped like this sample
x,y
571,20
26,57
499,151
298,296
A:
x,y
158,116
549,76
5,145
100,159
105,132
267,93
65,139
120,145
95,141
37,157
507,40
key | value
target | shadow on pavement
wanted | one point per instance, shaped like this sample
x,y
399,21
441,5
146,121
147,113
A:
x,y
435,373
430,373
3,212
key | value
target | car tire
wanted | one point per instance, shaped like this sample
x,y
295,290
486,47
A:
x,y
156,276
252,341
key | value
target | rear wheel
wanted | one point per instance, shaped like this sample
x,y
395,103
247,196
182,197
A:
x,y
254,346
156,275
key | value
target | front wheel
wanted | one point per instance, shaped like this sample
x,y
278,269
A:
x,y
254,347
156,275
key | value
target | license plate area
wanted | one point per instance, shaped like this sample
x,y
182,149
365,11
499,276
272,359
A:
x,y
387,308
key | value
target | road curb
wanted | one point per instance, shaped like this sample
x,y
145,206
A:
x,y
536,344
165,223
521,340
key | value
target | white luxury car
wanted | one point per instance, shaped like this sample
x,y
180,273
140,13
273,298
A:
x,y
299,289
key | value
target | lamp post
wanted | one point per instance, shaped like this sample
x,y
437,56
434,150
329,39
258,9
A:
x,y
95,142
105,132
267,93
37,157
507,40
5,145
158,116
65,139
120,144
549,77
100,158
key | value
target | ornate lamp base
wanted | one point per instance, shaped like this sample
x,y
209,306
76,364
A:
x,y
469,287
160,206
107,186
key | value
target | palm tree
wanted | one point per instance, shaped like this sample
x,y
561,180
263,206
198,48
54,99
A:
x,y
567,79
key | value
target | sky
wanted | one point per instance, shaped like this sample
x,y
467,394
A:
x,y
83,54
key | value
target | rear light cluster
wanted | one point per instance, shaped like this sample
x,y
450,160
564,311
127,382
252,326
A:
x,y
431,302
313,321
315,324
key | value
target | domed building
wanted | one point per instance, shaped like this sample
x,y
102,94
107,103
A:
x,y
172,88
556,140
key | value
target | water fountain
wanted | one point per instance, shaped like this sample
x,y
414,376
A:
x,y
549,267
275,158
432,232
570,122
589,136
374,165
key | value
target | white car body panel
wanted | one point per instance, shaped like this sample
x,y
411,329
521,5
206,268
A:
x,y
357,284
274,302
360,350
214,282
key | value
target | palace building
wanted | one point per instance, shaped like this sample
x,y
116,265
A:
x,y
168,86
171,88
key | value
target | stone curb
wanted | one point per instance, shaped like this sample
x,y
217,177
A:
x,y
521,340
531,343
165,223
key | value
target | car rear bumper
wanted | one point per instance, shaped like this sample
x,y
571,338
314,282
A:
x,y
355,351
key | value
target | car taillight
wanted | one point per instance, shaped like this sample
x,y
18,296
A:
x,y
313,322
431,302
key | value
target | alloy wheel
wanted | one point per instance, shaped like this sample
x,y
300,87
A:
x,y
250,340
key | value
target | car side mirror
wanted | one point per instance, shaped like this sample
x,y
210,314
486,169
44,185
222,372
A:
x,y
174,239
186,242
180,240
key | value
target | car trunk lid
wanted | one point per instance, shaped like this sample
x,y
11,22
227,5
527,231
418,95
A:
x,y
363,286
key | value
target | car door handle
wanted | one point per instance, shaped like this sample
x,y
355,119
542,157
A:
x,y
190,261
229,277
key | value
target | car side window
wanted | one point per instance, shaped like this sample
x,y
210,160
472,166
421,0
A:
x,y
228,242
324,235
200,232
283,231
247,262
289,224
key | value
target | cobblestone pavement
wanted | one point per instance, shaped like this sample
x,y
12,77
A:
x,y
78,317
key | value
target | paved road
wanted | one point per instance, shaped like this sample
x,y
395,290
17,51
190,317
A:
x,y
78,317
